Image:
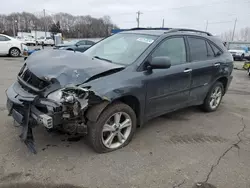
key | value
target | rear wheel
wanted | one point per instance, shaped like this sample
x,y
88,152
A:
x,y
242,57
14,52
114,128
214,97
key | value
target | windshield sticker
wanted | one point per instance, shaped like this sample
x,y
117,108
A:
x,y
149,41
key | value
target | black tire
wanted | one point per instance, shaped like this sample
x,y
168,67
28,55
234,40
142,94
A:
x,y
206,105
14,52
95,128
242,57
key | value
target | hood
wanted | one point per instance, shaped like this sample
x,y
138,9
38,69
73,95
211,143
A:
x,y
237,51
68,67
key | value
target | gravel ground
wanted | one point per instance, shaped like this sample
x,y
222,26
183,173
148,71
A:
x,y
174,150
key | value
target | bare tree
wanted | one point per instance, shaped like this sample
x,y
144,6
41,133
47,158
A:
x,y
70,26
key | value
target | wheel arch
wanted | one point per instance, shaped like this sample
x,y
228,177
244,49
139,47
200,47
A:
x,y
95,111
14,47
224,81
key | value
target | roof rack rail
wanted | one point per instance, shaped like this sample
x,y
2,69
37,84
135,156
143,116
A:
x,y
153,28
191,30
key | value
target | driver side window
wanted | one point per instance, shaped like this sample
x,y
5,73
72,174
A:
x,y
174,48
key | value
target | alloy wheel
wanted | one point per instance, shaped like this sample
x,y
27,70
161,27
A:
x,y
216,97
14,52
116,130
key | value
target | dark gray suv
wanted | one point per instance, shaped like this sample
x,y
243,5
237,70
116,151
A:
x,y
119,83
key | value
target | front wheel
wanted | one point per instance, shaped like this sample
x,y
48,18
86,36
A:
x,y
214,97
114,128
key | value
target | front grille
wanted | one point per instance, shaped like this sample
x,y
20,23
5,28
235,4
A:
x,y
33,80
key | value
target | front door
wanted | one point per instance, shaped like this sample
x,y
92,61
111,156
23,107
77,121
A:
x,y
168,89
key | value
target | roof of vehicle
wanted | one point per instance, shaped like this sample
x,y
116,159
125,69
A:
x,y
161,31
4,35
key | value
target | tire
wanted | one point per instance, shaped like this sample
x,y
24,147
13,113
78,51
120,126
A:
x,y
242,57
14,52
206,106
96,132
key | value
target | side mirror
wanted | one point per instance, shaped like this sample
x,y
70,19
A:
x,y
76,44
162,62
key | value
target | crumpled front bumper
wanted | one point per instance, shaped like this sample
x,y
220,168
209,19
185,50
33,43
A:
x,y
29,110
18,99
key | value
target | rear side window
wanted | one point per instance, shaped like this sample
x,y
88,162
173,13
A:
x,y
89,42
210,52
216,50
198,49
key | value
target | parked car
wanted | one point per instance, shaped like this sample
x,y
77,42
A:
x,y
46,41
240,53
11,46
30,41
120,83
76,45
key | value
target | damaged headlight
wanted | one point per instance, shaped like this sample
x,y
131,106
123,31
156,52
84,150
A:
x,y
56,95
70,95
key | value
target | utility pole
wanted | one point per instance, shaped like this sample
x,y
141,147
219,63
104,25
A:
x,y
13,26
234,29
45,24
138,18
206,25
163,23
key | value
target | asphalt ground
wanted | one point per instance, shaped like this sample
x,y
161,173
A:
x,y
174,150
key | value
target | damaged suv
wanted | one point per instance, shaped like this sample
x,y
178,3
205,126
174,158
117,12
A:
x,y
119,83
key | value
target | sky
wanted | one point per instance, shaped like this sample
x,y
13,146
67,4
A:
x,y
219,14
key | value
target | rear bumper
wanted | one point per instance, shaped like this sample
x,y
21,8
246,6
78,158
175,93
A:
x,y
41,111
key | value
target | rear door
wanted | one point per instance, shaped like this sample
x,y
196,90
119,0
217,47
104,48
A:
x,y
168,89
204,67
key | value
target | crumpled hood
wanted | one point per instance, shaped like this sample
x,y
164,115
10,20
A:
x,y
67,67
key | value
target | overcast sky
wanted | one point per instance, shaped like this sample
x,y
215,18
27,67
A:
x,y
177,13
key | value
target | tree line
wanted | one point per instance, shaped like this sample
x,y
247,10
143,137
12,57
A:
x,y
240,35
69,25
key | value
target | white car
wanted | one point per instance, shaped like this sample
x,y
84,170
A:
x,y
46,41
11,46
30,41
239,53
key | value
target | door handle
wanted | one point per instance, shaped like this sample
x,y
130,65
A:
x,y
187,70
217,64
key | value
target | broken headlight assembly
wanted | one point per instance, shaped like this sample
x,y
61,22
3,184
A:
x,y
56,95
71,96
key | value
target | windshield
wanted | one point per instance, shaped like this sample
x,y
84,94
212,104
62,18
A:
x,y
122,48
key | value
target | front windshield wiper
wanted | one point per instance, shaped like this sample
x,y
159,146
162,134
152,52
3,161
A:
x,y
101,58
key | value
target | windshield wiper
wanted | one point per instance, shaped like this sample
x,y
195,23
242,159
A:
x,y
97,57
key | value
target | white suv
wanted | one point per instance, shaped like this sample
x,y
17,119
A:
x,y
11,46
